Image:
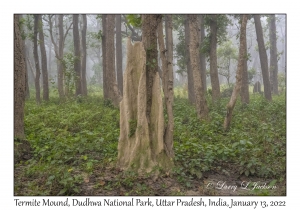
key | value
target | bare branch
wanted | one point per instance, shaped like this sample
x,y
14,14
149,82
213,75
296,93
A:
x,y
51,35
67,31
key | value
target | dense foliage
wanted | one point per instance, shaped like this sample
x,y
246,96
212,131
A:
x,y
78,138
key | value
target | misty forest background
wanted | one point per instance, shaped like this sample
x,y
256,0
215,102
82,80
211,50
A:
x,y
222,84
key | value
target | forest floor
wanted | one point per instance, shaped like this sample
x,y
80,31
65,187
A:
x,y
74,150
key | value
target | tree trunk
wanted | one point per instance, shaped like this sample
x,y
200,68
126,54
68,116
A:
x,y
104,37
36,60
119,53
77,63
83,60
19,82
263,57
241,63
44,60
245,84
60,72
214,76
141,144
27,95
201,104
50,58
112,88
202,55
191,92
166,55
21,146
273,55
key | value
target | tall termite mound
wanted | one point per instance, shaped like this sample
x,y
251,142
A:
x,y
141,145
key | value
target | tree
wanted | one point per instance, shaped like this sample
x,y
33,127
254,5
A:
x,y
215,85
59,49
23,35
104,37
83,60
245,80
19,82
241,62
119,53
166,55
141,144
201,104
44,60
21,147
36,59
263,57
227,55
77,63
202,55
273,55
191,92
112,92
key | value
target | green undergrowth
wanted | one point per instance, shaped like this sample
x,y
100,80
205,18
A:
x,y
80,135
255,145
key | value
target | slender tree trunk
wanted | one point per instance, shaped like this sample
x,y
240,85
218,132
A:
x,y
119,53
60,72
27,95
166,55
214,76
83,63
263,58
44,60
191,92
19,82
36,59
21,146
112,87
77,63
245,86
104,37
273,55
50,58
201,104
241,63
202,55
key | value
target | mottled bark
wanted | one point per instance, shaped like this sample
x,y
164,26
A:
x,y
119,54
112,88
21,146
83,60
241,63
166,55
202,55
191,92
77,63
263,57
273,55
44,60
214,76
36,60
19,82
245,84
201,104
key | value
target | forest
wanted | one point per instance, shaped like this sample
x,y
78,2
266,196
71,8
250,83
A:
x,y
149,104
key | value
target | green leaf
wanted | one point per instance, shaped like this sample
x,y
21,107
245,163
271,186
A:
x,y
62,192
